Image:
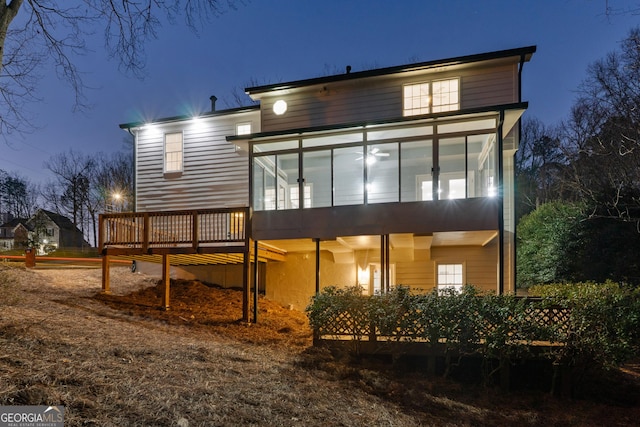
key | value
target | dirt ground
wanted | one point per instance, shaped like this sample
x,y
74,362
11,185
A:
x,y
119,360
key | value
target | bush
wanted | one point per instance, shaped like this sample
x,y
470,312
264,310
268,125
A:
x,y
601,326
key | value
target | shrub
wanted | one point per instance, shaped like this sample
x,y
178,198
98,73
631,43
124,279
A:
x,y
603,329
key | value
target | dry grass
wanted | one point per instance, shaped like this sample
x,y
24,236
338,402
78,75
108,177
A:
x,y
120,361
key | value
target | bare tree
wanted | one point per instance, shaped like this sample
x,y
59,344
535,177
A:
x,y
72,171
38,33
18,196
539,163
603,135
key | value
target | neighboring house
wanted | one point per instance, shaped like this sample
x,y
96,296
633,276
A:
x,y
14,234
49,231
399,175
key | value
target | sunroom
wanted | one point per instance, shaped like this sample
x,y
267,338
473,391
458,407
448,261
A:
x,y
436,177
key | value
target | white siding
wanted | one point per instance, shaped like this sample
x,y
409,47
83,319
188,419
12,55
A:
x,y
215,175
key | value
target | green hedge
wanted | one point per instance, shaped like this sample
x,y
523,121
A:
x,y
598,325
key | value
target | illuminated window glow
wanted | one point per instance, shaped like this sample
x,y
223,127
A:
x,y
243,129
446,95
416,99
450,276
173,158
431,97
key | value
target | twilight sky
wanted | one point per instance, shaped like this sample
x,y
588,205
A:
x,y
270,41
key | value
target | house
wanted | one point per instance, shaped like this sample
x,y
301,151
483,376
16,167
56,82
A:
x,y
398,175
51,231
14,234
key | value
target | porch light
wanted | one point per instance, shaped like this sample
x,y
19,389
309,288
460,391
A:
x,y
363,276
280,107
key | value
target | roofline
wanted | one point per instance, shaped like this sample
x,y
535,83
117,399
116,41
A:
x,y
524,53
434,116
208,114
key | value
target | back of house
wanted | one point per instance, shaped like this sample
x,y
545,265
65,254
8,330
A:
x,y
393,176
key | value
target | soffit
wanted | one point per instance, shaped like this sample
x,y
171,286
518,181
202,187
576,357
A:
x,y
396,241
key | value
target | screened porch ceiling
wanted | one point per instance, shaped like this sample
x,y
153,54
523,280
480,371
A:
x,y
396,241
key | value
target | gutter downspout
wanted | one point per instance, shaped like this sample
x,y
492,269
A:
x,y
134,151
500,205
515,187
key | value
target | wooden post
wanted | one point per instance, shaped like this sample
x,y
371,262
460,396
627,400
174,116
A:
x,y
255,281
246,278
166,280
106,280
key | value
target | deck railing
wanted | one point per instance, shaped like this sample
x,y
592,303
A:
x,y
183,229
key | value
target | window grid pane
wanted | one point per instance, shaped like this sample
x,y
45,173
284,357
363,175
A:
x,y
416,99
446,95
173,152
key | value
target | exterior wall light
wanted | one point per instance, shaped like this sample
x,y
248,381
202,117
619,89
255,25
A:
x,y
280,107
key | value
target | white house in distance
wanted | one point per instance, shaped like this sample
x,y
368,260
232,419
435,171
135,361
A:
x,y
393,176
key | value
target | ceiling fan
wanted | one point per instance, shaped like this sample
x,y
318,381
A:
x,y
373,154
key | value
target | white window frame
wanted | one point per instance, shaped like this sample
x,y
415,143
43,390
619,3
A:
x,y
174,156
453,276
295,199
431,97
444,96
416,98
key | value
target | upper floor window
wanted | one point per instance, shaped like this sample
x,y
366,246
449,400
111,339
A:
x,y
416,99
243,129
431,97
446,95
173,158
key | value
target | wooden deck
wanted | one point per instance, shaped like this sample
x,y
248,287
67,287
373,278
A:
x,y
193,237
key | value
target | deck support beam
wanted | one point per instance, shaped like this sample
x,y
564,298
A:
x,y
166,281
246,279
106,279
317,266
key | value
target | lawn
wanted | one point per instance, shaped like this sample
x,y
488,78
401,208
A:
x,y
118,360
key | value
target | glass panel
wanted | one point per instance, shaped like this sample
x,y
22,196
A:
x,y
484,124
287,178
275,146
416,99
446,95
416,159
382,173
482,164
399,133
321,141
316,167
450,277
348,174
452,168
264,192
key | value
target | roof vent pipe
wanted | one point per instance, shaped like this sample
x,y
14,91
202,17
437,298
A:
x,y
213,102
348,69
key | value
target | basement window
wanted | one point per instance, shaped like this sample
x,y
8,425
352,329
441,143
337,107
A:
x,y
450,277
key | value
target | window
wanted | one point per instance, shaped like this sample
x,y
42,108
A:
x,y
416,99
446,95
50,232
173,152
450,277
295,199
431,97
243,129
